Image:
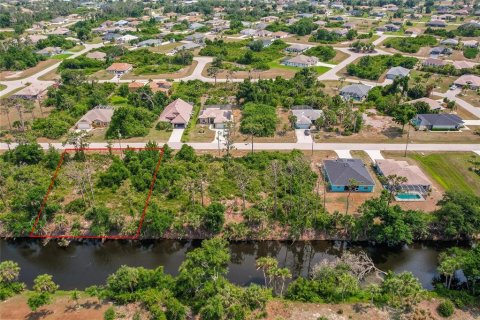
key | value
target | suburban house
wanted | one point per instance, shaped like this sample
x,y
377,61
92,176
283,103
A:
x,y
449,42
160,86
297,48
126,38
196,37
397,72
120,68
217,115
305,116
177,113
150,43
196,26
34,38
135,85
301,61
417,181
50,51
279,35
262,33
391,27
356,91
434,104
32,92
436,24
470,80
341,173
98,117
187,46
432,62
97,55
437,122
470,43
413,31
248,32
440,50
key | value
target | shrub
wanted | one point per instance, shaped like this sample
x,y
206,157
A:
x,y
109,314
446,308
163,125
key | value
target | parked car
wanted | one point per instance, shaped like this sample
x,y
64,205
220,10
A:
x,y
306,132
453,87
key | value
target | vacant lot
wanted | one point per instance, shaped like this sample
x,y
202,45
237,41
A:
x,y
9,75
184,72
450,170
201,133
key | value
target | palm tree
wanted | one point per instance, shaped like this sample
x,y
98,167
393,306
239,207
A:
x,y
6,111
213,72
352,184
265,264
284,274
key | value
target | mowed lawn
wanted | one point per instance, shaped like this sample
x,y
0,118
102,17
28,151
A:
x,y
450,170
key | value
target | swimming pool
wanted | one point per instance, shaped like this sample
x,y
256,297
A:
x,y
409,197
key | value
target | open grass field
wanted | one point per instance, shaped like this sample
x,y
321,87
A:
x,y
77,48
61,56
2,87
201,133
450,170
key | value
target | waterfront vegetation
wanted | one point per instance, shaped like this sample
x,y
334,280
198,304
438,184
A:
x,y
201,288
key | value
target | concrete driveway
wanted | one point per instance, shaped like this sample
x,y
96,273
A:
x,y
301,137
176,135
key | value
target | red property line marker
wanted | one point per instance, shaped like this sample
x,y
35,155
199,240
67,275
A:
x,y
118,237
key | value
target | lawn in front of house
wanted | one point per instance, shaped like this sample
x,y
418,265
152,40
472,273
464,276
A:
x,y
61,56
201,133
277,65
450,170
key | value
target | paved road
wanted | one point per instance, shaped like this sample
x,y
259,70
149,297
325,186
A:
x,y
452,95
290,146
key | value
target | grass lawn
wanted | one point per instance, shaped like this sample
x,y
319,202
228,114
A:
x,y
277,65
2,87
77,48
95,40
201,133
61,56
450,170
118,101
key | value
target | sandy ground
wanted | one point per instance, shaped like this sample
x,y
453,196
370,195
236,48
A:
x,y
281,310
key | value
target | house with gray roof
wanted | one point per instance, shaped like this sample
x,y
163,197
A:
x,y
298,48
436,24
195,26
301,61
344,175
216,115
98,117
150,43
397,72
437,122
356,91
305,116
449,42
196,37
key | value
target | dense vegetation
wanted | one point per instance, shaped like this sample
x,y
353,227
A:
x,y
372,67
410,45
17,56
258,120
327,36
245,52
324,53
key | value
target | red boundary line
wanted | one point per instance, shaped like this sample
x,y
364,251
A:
x,y
142,218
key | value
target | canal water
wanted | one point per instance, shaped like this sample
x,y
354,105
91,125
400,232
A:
x,y
87,263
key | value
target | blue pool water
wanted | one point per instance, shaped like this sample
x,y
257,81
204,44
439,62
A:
x,y
409,196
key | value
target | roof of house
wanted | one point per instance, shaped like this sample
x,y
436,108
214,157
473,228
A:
x,y
468,79
398,71
357,89
149,42
218,114
49,50
463,64
119,66
298,47
439,119
100,113
32,90
135,84
452,42
412,173
434,104
435,62
177,112
306,116
436,23
302,59
341,171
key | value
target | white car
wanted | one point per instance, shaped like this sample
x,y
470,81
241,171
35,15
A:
x,y
453,87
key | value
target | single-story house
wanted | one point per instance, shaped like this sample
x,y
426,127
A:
x,y
32,92
110,36
417,181
50,51
434,121
441,50
269,19
305,116
126,38
196,37
470,80
436,24
449,42
397,72
135,85
187,46
341,172
120,68
217,115
470,43
248,32
336,18
150,43
34,38
356,91
463,64
391,27
416,31
100,116
262,33
121,23
97,55
195,26
432,62
60,32
177,113
301,61
434,104
160,86
59,20
341,32
297,48
279,35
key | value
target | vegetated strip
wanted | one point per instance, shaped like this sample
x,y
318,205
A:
x,y
113,237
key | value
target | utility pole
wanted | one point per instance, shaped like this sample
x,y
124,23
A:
x,y
408,138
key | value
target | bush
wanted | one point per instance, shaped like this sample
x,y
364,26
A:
x,y
163,125
109,314
259,120
446,308
372,67
410,45
324,53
